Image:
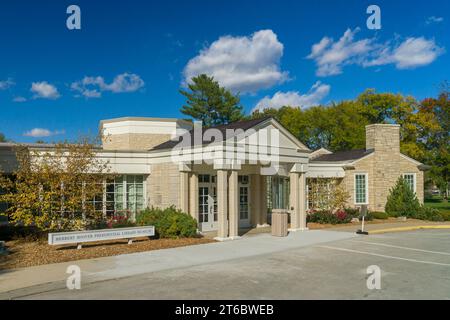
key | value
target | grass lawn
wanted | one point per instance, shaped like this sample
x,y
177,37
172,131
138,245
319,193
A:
x,y
438,203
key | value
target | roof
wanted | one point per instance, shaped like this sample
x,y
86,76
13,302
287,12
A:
x,y
244,125
349,155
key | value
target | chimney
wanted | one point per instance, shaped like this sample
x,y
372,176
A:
x,y
383,137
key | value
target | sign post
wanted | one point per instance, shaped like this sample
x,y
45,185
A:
x,y
363,215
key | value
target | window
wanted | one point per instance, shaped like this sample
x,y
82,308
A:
x,y
361,188
125,193
278,190
410,179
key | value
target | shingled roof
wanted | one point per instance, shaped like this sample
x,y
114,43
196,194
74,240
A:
x,y
244,125
349,155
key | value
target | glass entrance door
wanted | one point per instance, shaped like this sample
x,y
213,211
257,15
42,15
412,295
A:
x,y
207,193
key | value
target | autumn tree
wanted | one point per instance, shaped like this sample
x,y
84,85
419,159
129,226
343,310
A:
x,y
53,188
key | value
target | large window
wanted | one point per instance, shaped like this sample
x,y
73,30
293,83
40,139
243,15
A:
x,y
410,179
278,192
122,193
361,188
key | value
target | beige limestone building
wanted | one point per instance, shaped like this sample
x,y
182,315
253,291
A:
x,y
232,176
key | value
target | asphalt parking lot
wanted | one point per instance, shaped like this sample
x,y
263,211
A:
x,y
414,265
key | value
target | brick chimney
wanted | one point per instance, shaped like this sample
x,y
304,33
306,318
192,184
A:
x,y
383,137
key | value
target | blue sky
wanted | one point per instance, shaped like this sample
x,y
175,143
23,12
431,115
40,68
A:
x,y
131,57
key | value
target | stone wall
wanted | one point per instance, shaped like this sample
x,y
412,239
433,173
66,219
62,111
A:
x,y
133,141
383,167
163,185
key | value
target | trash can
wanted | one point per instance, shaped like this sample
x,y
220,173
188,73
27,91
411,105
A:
x,y
279,223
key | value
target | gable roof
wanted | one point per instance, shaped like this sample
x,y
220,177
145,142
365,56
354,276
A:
x,y
349,155
238,125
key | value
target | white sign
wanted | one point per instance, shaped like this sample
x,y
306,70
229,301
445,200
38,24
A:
x,y
99,235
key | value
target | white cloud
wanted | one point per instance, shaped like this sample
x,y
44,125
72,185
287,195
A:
x,y
294,99
19,99
331,56
44,90
245,64
6,84
92,87
41,133
434,19
416,52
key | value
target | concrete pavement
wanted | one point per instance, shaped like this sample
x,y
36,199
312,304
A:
x,y
414,265
36,279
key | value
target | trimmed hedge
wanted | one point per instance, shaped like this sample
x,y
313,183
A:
x,y
169,222
379,215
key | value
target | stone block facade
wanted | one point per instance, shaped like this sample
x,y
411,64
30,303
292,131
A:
x,y
163,186
383,167
133,141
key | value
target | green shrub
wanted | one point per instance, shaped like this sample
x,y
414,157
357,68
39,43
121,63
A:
x,y
327,217
379,215
445,215
353,212
169,223
402,201
429,214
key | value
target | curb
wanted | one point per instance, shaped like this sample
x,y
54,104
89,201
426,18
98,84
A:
x,y
412,228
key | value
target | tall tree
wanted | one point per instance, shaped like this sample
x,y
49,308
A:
x,y
210,103
2,137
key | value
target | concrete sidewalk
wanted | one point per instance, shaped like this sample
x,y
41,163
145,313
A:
x,y
101,269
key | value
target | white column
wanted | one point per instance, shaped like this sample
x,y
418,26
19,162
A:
x,y
263,203
295,200
184,191
255,199
222,204
298,201
233,196
303,199
193,195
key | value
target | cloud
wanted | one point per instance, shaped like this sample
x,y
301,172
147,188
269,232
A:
x,y
44,90
6,84
92,87
434,19
244,64
19,99
294,99
411,53
331,57
41,133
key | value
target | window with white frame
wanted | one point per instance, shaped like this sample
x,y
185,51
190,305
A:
x,y
410,179
125,193
361,188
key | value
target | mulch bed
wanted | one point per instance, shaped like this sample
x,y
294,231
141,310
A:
x,y
26,253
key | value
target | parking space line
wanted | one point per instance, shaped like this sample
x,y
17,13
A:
x,y
399,247
385,256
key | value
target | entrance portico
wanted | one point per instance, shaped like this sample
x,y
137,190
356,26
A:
x,y
225,184
226,198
